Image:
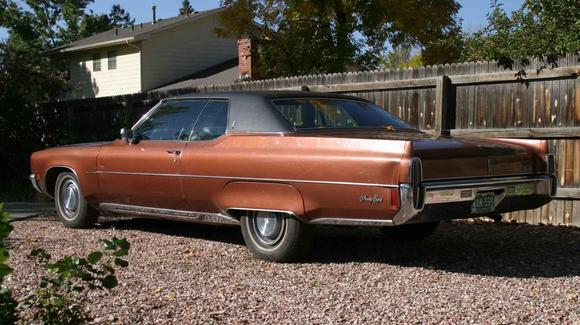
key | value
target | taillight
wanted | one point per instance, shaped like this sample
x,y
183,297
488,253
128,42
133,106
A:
x,y
415,179
550,164
551,171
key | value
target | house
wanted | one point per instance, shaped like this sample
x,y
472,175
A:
x,y
148,56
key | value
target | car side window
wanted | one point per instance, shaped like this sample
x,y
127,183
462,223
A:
x,y
212,122
173,120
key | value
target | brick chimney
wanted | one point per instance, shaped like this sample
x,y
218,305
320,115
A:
x,y
245,58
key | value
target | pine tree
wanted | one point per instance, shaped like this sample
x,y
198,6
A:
x,y
186,8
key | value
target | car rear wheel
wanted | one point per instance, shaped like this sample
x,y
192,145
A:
x,y
275,236
72,208
410,232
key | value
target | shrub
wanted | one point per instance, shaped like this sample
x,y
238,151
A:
x,y
7,302
60,297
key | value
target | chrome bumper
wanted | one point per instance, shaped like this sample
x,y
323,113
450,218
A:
x,y
449,199
34,180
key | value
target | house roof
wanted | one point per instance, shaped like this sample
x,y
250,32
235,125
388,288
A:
x,y
223,73
129,34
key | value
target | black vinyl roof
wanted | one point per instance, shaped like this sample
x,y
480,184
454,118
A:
x,y
268,94
252,111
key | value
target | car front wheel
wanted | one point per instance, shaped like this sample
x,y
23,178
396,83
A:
x,y
72,208
275,236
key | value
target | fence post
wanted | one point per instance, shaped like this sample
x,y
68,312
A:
x,y
442,125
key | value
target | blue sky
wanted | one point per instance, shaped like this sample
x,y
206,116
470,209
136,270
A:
x,y
473,11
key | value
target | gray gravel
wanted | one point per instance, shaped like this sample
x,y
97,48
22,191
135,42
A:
x,y
464,273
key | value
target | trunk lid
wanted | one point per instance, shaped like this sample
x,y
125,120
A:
x,y
445,158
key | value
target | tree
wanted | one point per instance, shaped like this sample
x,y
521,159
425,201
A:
x,y
186,8
299,37
544,29
402,57
98,23
120,18
28,77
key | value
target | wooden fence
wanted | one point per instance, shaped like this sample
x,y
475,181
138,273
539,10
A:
x,y
467,99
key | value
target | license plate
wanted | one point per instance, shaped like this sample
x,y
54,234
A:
x,y
483,202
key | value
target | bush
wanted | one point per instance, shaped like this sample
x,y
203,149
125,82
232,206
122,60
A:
x,y
7,302
60,297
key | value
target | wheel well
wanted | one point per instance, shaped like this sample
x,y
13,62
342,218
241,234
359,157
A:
x,y
52,175
238,213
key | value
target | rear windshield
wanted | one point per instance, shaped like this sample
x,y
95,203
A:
x,y
310,113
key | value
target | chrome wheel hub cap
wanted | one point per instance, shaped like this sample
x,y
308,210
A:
x,y
69,198
269,227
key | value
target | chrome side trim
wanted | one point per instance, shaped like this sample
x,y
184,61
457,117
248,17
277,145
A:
x,y
264,210
351,222
34,180
251,179
169,214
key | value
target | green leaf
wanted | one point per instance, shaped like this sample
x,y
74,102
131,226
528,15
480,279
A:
x,y
109,282
123,243
121,262
94,257
4,270
120,252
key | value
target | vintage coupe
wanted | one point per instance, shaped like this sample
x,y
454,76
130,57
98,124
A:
x,y
277,163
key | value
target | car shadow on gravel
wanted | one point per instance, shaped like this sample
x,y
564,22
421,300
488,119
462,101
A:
x,y
224,234
508,250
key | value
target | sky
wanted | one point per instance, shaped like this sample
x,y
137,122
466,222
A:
x,y
473,12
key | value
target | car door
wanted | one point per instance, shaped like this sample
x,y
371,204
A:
x,y
203,158
145,173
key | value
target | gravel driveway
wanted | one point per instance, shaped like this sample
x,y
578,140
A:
x,y
464,273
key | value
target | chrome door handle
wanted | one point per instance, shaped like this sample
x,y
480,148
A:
x,y
174,152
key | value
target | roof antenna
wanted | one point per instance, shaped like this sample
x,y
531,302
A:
x,y
153,8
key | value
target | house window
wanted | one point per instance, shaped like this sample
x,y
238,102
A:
x,y
97,62
112,55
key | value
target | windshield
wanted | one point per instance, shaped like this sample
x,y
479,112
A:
x,y
311,113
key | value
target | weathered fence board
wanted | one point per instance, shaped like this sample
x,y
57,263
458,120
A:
x,y
467,99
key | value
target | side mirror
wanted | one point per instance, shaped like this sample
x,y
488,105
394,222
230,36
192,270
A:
x,y
127,135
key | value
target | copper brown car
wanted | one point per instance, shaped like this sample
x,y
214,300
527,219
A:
x,y
277,163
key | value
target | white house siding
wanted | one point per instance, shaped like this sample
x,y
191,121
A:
x,y
180,51
125,79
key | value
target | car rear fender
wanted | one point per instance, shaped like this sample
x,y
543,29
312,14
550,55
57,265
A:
x,y
238,197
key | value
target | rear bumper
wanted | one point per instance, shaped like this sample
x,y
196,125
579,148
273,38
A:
x,y
453,199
